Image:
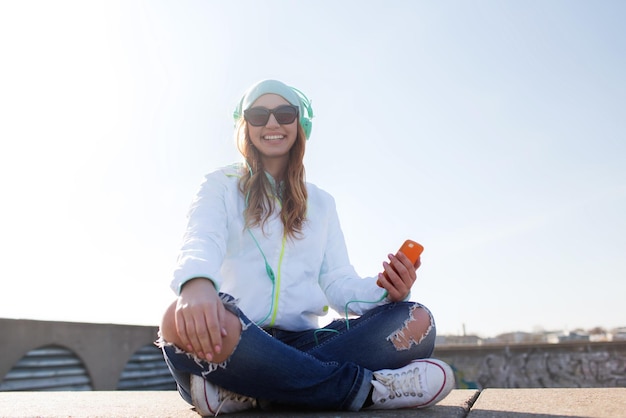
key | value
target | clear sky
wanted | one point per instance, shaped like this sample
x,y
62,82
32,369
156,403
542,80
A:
x,y
492,132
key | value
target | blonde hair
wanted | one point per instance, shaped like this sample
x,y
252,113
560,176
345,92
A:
x,y
259,193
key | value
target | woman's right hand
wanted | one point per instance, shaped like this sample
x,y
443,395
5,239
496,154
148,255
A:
x,y
200,318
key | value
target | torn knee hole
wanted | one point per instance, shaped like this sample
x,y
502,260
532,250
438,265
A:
x,y
414,329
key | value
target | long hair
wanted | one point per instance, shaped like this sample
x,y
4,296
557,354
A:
x,y
259,194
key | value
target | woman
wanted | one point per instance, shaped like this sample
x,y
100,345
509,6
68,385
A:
x,y
262,259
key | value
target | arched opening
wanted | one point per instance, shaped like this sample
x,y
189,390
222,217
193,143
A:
x,y
48,368
146,370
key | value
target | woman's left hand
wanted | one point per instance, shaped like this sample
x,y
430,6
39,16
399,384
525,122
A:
x,y
400,276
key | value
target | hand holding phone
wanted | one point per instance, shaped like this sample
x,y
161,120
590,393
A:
x,y
412,250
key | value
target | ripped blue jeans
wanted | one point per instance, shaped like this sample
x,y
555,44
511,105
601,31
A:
x,y
330,368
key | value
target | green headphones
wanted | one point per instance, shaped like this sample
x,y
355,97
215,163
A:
x,y
291,94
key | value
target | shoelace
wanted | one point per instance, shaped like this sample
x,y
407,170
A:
x,y
227,395
404,384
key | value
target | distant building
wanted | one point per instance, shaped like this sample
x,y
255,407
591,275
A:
x,y
597,334
619,334
574,336
458,340
518,337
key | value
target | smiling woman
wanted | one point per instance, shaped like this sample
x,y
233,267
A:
x,y
263,257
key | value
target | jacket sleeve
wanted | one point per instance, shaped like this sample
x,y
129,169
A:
x,y
344,289
204,241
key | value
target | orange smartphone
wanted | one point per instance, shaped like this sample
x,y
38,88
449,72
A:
x,y
411,249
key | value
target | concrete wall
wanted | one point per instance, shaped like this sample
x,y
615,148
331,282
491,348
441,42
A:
x,y
104,349
571,365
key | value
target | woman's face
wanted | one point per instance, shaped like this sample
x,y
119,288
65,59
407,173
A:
x,y
273,140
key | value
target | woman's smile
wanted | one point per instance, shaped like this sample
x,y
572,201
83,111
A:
x,y
273,137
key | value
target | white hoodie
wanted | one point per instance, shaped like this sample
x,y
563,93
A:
x,y
310,272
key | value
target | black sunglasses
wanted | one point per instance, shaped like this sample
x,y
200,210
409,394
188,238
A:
x,y
258,116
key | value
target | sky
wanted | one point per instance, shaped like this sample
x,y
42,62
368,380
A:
x,y
492,132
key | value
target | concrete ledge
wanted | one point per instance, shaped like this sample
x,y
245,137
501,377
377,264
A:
x,y
94,404
518,403
461,403
169,404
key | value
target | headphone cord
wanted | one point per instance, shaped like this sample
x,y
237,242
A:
x,y
385,293
347,317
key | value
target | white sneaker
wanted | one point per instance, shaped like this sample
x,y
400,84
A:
x,y
419,384
210,400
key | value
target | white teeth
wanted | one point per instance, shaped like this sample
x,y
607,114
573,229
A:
x,y
269,137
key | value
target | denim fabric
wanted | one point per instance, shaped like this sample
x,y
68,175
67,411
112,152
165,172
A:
x,y
328,368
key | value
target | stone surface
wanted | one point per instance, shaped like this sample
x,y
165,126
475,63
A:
x,y
94,404
490,403
518,403
169,404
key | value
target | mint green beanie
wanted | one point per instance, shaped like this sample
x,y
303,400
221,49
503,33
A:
x,y
269,87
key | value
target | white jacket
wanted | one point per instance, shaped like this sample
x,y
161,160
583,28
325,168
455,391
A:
x,y
310,272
